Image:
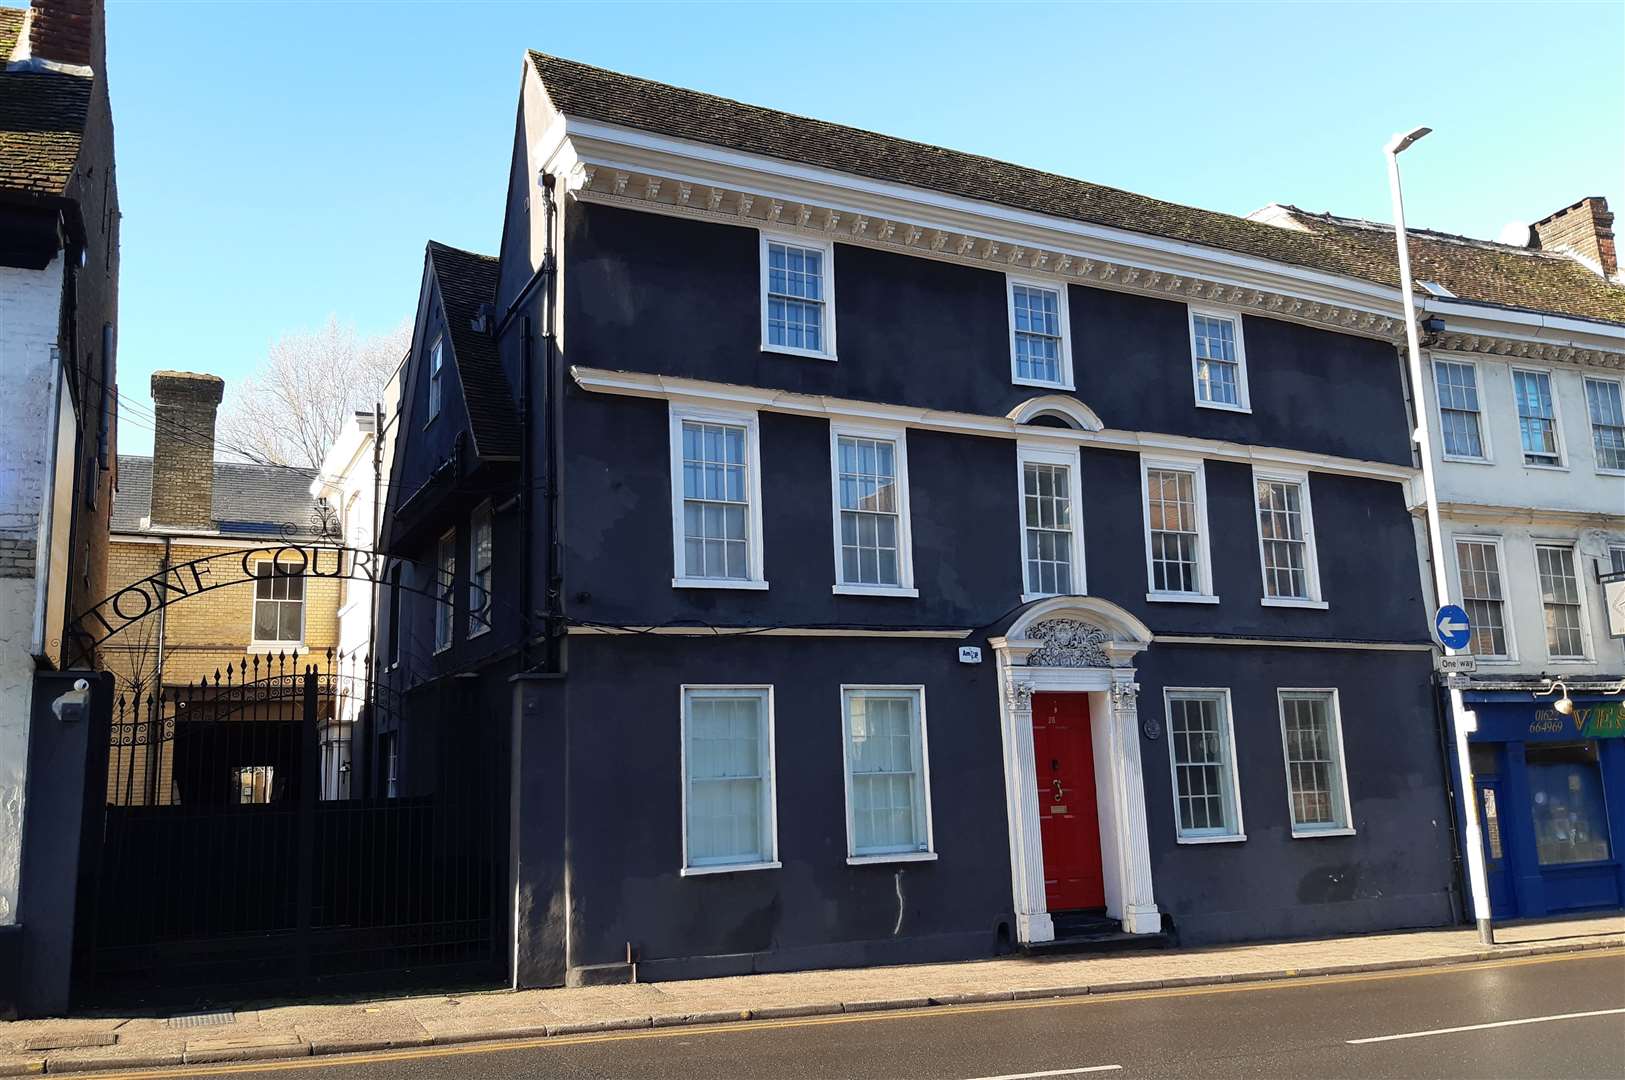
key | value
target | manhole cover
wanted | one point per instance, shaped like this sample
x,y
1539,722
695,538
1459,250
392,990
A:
x,y
205,1019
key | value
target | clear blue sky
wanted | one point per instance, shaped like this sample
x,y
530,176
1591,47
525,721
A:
x,y
280,162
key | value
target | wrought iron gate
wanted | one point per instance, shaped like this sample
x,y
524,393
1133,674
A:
x,y
287,824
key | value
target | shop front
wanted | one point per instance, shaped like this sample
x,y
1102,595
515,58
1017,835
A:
x,y
1551,798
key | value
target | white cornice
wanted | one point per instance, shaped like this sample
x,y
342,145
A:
x,y
613,165
671,387
1489,514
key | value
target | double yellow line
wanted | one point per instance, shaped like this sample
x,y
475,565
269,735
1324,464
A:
x,y
421,1053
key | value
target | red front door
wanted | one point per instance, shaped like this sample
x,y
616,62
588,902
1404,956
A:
x,y
1069,821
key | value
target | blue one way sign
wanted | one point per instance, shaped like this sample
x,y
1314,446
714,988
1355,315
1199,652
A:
x,y
1452,627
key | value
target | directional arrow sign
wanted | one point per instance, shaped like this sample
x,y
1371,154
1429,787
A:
x,y
1451,625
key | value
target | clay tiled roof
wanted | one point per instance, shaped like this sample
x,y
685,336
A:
x,y
42,118
1538,282
1476,270
11,28
468,280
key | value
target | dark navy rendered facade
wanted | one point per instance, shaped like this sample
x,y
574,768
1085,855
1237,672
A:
x,y
597,743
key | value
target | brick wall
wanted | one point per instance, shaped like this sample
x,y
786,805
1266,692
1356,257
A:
x,y
202,634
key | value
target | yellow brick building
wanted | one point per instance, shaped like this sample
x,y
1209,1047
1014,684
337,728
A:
x,y
231,544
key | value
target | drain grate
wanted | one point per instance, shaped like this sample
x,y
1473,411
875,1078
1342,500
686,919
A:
x,y
204,1019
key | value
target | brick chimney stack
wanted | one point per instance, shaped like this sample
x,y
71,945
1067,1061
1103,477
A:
x,y
1586,230
183,448
62,35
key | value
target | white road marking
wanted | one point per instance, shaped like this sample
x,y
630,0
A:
x,y
1482,1027
1051,1072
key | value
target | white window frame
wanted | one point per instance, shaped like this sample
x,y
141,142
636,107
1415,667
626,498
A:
x,y
1613,550
437,384
1204,836
770,817
897,434
827,330
1577,568
446,607
710,414
1562,462
1508,622
1051,454
481,515
1204,571
929,852
1244,403
1488,457
1062,315
256,642
1335,714
1591,425
1311,555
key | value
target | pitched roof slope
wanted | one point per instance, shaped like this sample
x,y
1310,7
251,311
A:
x,y
11,28
468,280
270,501
1478,270
42,120
610,97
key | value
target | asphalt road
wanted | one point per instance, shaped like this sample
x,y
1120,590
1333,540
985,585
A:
x,y
1334,1027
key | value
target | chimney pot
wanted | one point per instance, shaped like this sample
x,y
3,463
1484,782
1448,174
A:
x,y
1584,229
184,404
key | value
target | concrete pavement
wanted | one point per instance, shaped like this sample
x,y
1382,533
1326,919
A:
x,y
1546,1016
293,1030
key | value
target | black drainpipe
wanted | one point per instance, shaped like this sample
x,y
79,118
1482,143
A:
x,y
553,389
526,473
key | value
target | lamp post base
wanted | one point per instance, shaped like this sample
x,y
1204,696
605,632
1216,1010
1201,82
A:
x,y
1486,932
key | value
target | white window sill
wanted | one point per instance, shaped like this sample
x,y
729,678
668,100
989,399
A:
x,y
1311,834
790,350
1222,407
1225,838
1492,659
1610,472
1017,380
273,646
1458,460
727,868
891,857
1181,598
874,590
715,583
1294,602
1570,660
1544,467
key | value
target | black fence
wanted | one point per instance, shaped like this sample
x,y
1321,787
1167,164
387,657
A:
x,y
288,825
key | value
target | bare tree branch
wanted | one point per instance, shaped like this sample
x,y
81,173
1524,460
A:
x,y
290,411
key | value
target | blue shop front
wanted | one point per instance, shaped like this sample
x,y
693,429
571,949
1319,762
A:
x,y
1551,798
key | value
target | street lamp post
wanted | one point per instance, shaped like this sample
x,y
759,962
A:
x,y
1461,720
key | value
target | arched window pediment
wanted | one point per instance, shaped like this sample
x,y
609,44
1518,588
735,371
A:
x,y
1063,407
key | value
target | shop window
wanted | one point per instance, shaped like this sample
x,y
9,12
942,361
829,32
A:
x,y
1566,802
